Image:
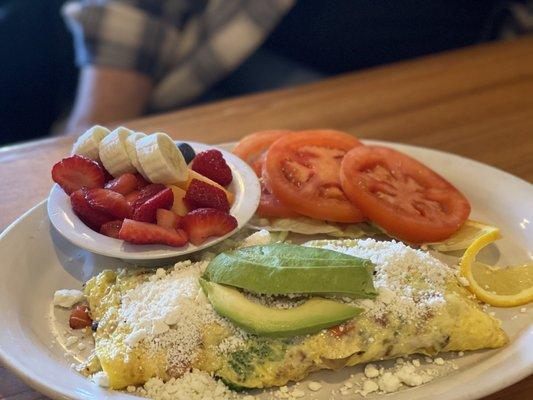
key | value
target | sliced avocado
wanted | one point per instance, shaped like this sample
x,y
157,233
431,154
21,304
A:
x,y
284,268
312,316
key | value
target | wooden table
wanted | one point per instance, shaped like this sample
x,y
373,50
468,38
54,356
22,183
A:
x,y
476,102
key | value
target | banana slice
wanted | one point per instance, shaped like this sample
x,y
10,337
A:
x,y
132,151
88,144
161,160
113,153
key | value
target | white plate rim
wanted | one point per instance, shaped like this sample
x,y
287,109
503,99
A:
x,y
501,379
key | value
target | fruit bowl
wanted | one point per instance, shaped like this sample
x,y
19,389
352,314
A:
x,y
245,187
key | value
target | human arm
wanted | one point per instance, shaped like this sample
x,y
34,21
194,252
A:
x,y
107,94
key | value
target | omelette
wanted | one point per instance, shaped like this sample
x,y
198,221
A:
x,y
161,324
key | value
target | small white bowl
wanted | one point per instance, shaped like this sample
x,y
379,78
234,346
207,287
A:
x,y
245,186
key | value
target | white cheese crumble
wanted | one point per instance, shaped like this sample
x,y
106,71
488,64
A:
x,y
371,371
195,385
67,297
101,379
369,387
71,340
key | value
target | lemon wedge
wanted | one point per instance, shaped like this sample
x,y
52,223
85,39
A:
x,y
498,286
466,236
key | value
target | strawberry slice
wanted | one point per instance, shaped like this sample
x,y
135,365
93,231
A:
x,y
141,182
131,198
124,184
205,222
111,228
167,219
81,207
148,192
74,172
109,202
80,318
107,176
144,233
146,212
211,163
203,195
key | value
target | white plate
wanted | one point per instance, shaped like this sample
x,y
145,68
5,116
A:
x,y
245,186
36,261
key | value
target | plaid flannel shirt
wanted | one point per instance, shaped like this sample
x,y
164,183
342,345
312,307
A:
x,y
185,46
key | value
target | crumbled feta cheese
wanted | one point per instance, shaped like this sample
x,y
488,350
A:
x,y
314,386
461,353
70,341
369,386
135,337
67,297
131,389
371,371
298,393
407,375
439,361
389,382
416,363
101,379
523,310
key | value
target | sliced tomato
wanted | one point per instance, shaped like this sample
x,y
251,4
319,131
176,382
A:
x,y
269,205
251,147
303,169
401,195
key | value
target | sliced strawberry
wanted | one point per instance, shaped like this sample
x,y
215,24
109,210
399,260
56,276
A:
x,y
148,192
205,222
144,233
211,163
124,184
110,202
80,318
141,182
146,212
107,176
81,207
111,228
203,195
131,198
167,219
74,172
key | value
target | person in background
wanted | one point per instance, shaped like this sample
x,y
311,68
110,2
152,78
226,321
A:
x,y
141,56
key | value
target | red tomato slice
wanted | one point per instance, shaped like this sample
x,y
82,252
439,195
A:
x,y
251,147
401,195
269,205
303,169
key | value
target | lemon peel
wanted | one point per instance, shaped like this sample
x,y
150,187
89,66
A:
x,y
468,265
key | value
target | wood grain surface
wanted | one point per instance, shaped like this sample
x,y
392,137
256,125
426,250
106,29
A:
x,y
476,102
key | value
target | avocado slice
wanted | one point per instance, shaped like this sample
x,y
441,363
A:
x,y
285,268
312,316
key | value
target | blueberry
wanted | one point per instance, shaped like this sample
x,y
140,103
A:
x,y
187,151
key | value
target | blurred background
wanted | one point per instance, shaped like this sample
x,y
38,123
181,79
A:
x,y
68,65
